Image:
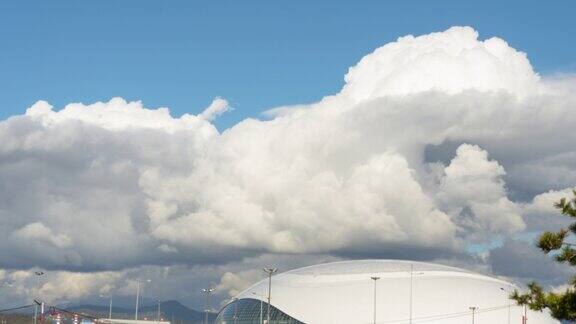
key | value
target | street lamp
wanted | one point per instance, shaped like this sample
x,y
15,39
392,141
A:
x,y
525,317
473,309
270,272
411,290
110,307
375,279
207,308
158,315
38,275
138,296
508,298
259,297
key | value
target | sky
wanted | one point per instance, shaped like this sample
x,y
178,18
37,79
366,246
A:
x,y
195,143
257,54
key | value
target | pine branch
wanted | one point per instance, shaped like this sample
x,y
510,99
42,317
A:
x,y
562,305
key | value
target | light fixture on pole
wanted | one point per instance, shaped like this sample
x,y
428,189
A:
x,y
507,291
158,314
138,281
270,272
109,306
375,279
259,297
411,275
38,275
473,309
411,289
207,306
525,316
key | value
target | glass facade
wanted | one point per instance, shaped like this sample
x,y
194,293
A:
x,y
252,311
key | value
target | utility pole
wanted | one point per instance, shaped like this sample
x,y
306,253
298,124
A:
x,y
473,309
375,279
207,306
270,272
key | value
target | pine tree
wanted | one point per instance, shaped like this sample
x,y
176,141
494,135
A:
x,y
562,305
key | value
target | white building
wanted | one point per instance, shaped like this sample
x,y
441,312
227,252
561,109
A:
x,y
406,292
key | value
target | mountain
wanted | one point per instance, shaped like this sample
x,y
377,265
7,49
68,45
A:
x,y
171,310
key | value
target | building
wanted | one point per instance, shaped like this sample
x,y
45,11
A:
x,y
379,291
127,321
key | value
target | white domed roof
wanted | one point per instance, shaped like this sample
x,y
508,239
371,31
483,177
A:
x,y
371,266
343,292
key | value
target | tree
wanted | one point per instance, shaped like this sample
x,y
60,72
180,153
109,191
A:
x,y
562,305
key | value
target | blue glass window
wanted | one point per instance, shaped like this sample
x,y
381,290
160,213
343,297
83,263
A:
x,y
252,311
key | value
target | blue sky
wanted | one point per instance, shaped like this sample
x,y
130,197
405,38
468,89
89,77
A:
x,y
256,54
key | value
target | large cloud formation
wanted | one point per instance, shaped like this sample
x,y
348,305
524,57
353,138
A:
x,y
435,143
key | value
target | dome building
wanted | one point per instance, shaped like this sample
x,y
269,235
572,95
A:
x,y
379,291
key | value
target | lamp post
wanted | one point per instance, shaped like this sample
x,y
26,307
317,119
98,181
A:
x,y
138,296
375,279
270,272
158,314
109,307
38,275
411,288
525,316
259,297
207,307
508,298
473,309
411,275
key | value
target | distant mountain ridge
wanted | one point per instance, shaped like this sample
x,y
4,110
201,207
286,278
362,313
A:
x,y
171,310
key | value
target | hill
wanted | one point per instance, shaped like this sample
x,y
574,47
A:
x,y
171,310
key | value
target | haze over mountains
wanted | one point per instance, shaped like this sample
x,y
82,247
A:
x,y
171,310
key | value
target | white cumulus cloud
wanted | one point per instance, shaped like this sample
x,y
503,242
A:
x,y
434,143
450,62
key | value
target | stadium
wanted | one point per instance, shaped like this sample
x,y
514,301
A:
x,y
379,291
